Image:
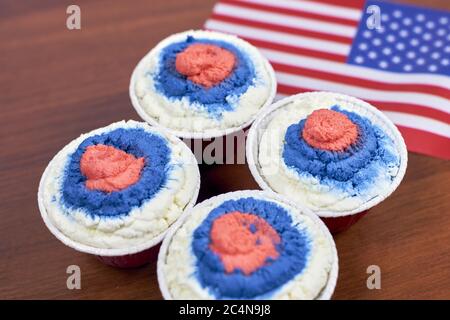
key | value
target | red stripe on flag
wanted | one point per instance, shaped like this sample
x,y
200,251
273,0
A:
x,y
426,142
291,90
356,4
418,110
292,12
279,28
295,50
313,73
415,109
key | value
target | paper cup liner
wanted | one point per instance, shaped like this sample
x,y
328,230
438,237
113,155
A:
x,y
339,224
207,133
336,220
327,291
130,257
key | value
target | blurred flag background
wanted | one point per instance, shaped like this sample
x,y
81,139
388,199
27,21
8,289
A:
x,y
400,64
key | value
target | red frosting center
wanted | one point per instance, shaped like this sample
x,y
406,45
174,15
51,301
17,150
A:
x,y
109,169
243,241
205,64
329,130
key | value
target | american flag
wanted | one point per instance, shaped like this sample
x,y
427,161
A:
x,y
399,62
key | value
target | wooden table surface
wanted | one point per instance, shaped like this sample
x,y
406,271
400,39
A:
x,y
56,84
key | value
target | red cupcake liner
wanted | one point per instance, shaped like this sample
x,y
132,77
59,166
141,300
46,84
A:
x,y
339,224
135,260
231,150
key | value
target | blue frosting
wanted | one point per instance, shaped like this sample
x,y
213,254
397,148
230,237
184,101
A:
x,y
215,99
294,250
137,142
353,169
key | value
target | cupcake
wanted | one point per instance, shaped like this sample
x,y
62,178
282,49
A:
x,y
248,245
202,84
335,154
115,191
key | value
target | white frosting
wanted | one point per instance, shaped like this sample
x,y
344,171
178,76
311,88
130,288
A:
x,y
141,223
305,188
179,265
181,114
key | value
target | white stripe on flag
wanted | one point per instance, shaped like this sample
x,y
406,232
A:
x,y
285,20
423,99
419,123
279,37
355,71
313,7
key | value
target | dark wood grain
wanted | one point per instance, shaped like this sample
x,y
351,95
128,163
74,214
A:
x,y
56,84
